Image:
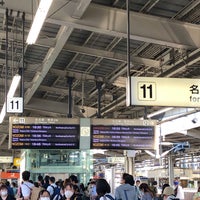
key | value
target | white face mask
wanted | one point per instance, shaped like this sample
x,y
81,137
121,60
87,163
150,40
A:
x,y
4,193
68,193
44,198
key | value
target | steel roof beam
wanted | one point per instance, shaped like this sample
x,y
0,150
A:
x,y
108,20
51,56
147,28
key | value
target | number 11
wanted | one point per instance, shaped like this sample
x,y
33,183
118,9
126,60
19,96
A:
x,y
144,87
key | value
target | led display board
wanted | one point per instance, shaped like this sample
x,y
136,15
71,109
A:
x,y
43,133
122,134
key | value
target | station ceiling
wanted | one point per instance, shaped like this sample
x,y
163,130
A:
x,y
87,40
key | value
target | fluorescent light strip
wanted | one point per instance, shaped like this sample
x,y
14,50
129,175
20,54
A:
x,y
159,112
11,92
38,20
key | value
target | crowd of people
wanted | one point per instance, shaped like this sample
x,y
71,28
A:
x,y
48,188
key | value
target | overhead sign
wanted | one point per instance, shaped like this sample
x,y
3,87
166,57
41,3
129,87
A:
x,y
153,91
124,134
6,159
43,133
15,105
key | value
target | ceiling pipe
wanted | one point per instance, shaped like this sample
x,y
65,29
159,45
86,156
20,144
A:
x,y
99,87
70,81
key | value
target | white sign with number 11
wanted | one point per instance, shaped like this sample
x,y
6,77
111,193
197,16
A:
x,y
15,105
154,91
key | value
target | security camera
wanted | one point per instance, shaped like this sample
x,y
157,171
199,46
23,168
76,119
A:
x,y
195,120
82,110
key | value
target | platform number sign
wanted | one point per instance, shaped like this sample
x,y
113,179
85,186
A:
x,y
146,91
15,105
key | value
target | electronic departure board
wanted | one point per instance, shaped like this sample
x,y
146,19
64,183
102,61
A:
x,y
43,133
122,134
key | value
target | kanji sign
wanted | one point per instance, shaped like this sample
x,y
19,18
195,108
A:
x,y
153,91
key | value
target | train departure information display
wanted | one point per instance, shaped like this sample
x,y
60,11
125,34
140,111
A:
x,y
122,134
43,133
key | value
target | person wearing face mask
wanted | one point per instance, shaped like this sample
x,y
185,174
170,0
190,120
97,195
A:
x,y
4,193
43,195
69,193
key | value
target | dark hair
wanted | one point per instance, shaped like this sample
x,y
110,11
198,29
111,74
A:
x,y
46,178
26,175
146,188
102,187
198,189
76,188
36,184
40,178
3,187
82,187
128,179
154,183
42,192
73,178
52,179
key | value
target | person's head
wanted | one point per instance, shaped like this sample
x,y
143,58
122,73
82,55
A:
x,y
168,191
176,182
102,187
3,191
154,183
137,182
52,179
144,187
40,178
25,175
46,179
164,186
73,178
7,183
36,184
198,189
127,179
44,195
14,184
68,190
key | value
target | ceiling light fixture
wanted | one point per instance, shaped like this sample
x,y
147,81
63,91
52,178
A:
x,y
38,21
159,112
11,92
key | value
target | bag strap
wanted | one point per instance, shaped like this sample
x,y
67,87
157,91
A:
x,y
125,194
27,186
109,196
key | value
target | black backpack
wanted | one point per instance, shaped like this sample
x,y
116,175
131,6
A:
x,y
56,191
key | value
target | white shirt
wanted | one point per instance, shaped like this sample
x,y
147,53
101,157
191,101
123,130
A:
x,y
50,189
106,197
26,188
180,193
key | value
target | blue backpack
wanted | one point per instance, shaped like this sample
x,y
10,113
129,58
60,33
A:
x,y
56,191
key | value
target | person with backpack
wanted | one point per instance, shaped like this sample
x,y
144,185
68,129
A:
x,y
26,187
103,190
53,189
127,190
